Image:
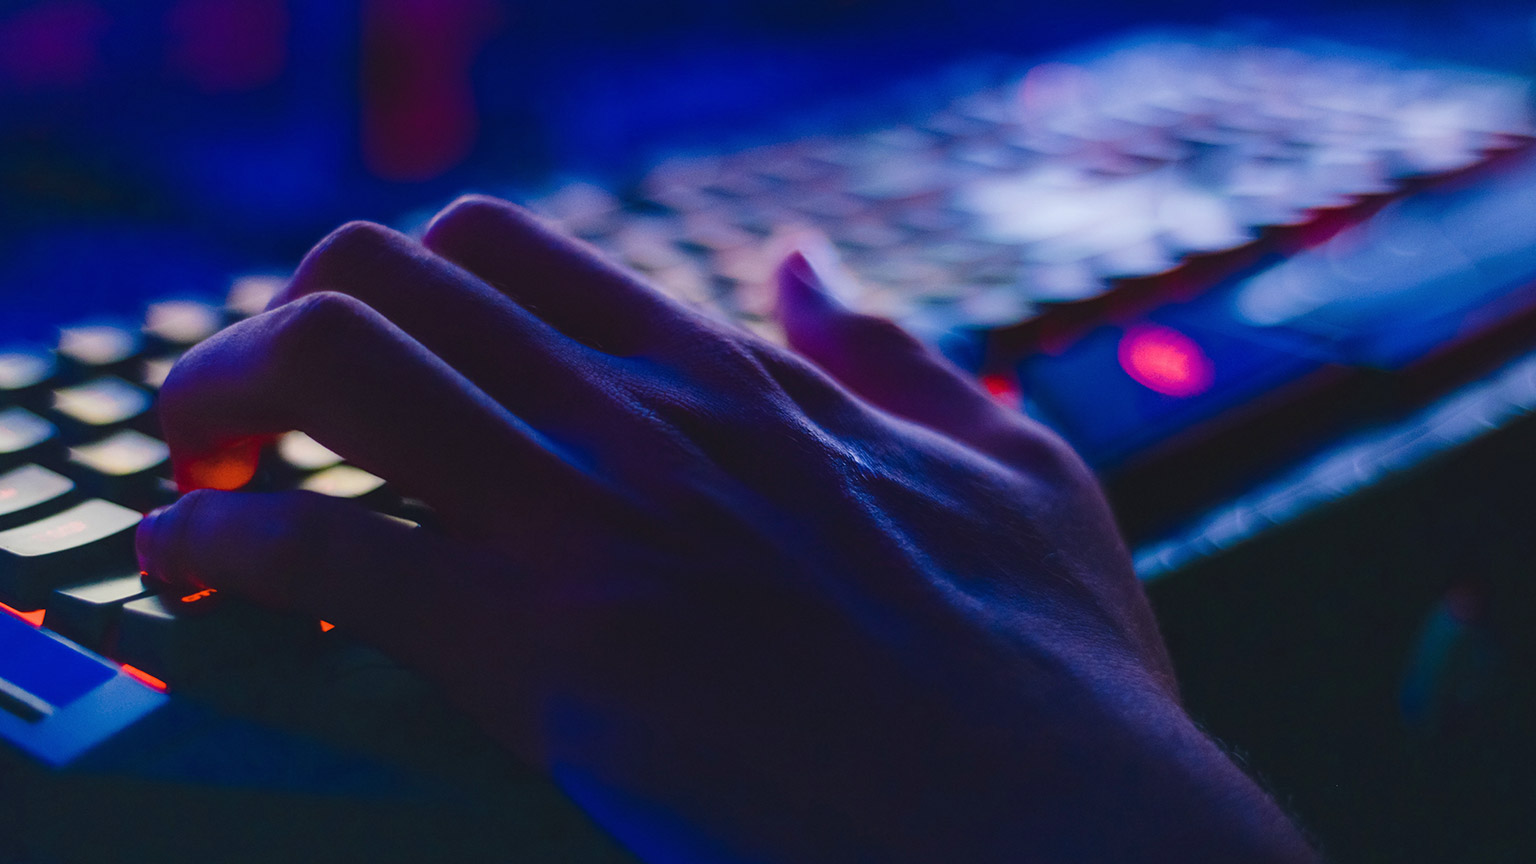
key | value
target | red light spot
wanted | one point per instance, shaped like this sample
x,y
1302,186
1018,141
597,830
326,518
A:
x,y
200,595
229,469
35,618
326,626
1003,389
1165,360
144,677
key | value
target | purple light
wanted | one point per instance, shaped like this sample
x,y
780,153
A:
x,y
54,45
229,46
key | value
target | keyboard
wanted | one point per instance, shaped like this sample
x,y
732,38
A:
x,y
1204,261
1075,235
266,735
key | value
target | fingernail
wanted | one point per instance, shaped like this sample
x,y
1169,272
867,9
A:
x,y
144,543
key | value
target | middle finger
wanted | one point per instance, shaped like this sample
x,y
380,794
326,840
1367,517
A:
x,y
507,351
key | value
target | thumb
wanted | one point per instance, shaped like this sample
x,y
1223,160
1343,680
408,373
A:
x,y
877,359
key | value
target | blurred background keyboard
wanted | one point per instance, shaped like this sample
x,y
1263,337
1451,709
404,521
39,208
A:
x,y
1279,290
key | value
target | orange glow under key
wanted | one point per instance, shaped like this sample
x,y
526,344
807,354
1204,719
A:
x,y
35,617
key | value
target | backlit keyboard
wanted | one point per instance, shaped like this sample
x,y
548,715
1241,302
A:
x,y
1098,238
1195,257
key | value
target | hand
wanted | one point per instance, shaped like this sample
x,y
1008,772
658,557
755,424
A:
x,y
741,604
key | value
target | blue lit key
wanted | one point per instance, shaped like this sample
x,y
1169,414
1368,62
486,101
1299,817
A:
x,y
59,702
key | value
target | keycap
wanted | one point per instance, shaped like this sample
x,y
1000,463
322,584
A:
x,y
70,700
583,209
26,437
31,492
156,370
84,541
345,481
98,349
124,467
103,405
87,612
43,674
250,294
176,325
25,376
303,453
185,636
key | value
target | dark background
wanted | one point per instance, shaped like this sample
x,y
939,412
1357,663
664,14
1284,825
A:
x,y
152,146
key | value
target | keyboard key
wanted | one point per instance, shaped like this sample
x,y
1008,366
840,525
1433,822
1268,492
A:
x,y
84,541
249,295
583,209
303,453
31,492
98,349
345,481
42,673
124,467
181,637
25,376
26,437
97,407
156,370
176,325
88,612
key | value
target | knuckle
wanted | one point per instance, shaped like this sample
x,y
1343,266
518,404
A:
x,y
316,317
354,241
341,256
468,217
315,324
1044,453
716,352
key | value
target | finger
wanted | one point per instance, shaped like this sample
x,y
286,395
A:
x,y
418,596
476,329
332,367
877,359
562,280
295,550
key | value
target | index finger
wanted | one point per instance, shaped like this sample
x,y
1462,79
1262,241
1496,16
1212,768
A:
x,y
332,367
